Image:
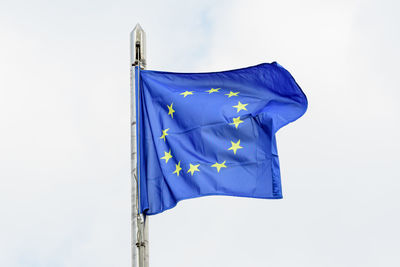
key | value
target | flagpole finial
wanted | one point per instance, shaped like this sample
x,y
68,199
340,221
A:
x,y
138,47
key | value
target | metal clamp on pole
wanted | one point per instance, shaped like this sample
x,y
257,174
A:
x,y
139,222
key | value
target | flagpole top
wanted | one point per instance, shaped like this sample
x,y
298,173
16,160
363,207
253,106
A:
x,y
138,47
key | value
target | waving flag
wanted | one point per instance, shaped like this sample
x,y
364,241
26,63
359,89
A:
x,y
205,134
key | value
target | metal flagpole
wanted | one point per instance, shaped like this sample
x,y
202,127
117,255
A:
x,y
139,222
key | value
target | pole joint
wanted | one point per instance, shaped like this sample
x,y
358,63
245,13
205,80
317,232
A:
x,y
141,244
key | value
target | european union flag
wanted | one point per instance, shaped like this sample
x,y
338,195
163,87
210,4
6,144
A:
x,y
212,133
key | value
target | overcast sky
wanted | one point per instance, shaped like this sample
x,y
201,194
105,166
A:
x,y
64,132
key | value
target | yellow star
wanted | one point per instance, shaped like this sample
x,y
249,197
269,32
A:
x,y
240,107
186,93
177,168
167,156
235,146
193,168
212,90
164,134
171,110
219,165
232,94
237,121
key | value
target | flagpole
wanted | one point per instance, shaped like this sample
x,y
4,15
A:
x,y
139,222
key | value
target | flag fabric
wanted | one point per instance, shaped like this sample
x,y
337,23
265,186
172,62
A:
x,y
212,133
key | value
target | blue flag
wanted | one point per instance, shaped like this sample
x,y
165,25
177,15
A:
x,y
212,133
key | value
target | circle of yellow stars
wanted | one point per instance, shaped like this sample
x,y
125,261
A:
x,y
235,146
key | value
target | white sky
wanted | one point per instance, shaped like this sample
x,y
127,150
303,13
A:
x,y
64,128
